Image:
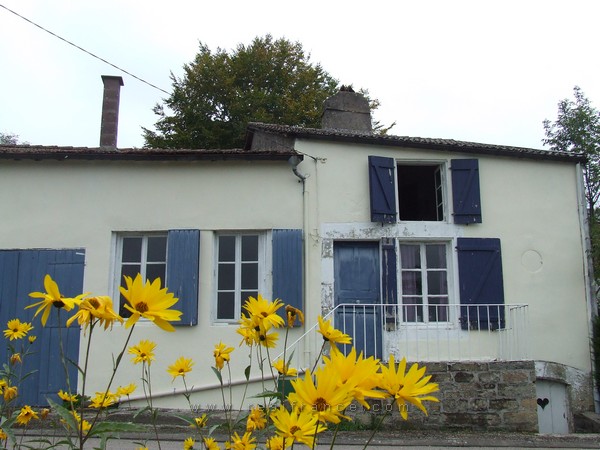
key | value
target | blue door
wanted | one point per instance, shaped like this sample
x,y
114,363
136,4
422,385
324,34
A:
x,y
22,272
356,291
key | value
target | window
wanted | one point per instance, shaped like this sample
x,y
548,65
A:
x,y
240,272
424,286
143,254
417,192
420,193
172,256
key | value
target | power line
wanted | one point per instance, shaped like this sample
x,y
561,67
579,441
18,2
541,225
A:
x,y
84,50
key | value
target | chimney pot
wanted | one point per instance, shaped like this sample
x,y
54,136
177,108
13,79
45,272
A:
x,y
347,110
109,122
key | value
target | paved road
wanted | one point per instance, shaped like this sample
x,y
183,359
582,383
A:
x,y
420,440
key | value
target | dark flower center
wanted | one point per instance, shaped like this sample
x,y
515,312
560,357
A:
x,y
141,307
95,303
321,404
58,303
294,429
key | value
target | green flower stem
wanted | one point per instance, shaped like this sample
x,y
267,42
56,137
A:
x,y
112,377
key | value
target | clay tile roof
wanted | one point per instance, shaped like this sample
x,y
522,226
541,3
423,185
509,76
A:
x,y
449,145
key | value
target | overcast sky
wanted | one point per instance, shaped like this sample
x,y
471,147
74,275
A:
x,y
482,71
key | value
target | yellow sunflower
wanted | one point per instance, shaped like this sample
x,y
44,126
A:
x,y
126,390
200,422
332,335
256,419
360,375
69,398
52,297
143,351
327,397
221,354
180,367
264,311
210,444
32,339
299,425
278,443
100,307
15,358
292,315
26,414
411,387
149,301
245,442
17,329
284,369
188,444
103,400
10,393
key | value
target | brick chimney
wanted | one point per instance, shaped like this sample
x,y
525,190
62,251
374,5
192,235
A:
x,y
109,123
347,110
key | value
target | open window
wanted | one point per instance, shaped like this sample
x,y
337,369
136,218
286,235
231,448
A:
x,y
420,193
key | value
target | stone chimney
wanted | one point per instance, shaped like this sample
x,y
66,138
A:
x,y
347,110
109,122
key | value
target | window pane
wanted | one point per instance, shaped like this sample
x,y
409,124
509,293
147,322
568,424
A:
x,y
246,294
157,248
154,271
438,309
411,283
226,248
226,277
412,309
250,276
249,248
410,256
132,249
226,305
436,283
130,270
436,256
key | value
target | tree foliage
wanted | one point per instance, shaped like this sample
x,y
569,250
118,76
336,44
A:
x,y
271,81
9,139
267,81
577,130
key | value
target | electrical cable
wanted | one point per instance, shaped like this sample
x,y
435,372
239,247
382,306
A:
x,y
84,50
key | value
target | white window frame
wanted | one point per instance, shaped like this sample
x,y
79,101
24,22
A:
x,y
452,319
264,263
118,259
442,167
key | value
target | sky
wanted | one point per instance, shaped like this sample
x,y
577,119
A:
x,y
486,71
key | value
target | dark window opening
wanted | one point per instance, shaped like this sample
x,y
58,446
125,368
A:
x,y
420,193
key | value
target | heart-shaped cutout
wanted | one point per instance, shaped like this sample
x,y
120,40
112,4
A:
x,y
543,402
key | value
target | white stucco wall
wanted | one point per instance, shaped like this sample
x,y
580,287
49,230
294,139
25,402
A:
x,y
531,205
73,204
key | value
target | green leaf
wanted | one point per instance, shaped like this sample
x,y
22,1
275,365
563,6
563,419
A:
x,y
116,427
247,372
64,414
141,411
218,374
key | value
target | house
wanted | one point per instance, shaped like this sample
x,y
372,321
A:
x,y
471,258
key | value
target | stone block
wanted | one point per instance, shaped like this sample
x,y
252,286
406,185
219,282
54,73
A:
x,y
463,377
519,376
489,377
467,367
500,404
521,421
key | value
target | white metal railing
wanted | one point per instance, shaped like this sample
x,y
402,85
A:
x,y
450,332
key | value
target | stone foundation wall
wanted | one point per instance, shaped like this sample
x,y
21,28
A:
x,y
473,396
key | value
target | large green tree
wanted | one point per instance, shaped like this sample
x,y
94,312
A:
x,y
8,139
577,130
269,81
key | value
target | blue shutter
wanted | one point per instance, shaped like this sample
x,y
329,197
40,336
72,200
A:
x,y
382,189
480,281
465,191
287,268
183,266
22,272
389,282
